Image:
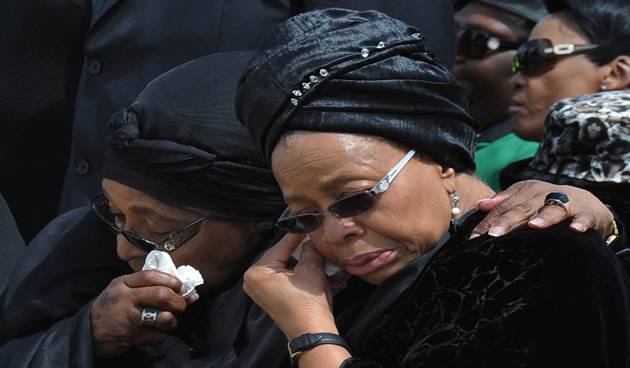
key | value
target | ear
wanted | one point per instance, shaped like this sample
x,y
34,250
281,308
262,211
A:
x,y
448,177
618,75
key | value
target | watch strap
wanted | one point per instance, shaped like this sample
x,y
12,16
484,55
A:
x,y
308,341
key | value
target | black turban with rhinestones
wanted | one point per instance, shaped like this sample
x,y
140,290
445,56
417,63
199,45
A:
x,y
180,143
339,70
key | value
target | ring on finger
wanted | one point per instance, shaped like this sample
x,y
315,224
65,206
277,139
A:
x,y
149,317
559,199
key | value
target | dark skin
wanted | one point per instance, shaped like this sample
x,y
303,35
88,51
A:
x,y
131,293
487,80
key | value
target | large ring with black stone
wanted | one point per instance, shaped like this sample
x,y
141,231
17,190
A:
x,y
559,199
149,317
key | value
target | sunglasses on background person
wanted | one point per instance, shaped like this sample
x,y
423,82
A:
x,y
539,55
174,240
350,206
475,43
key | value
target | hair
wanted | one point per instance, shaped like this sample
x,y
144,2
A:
x,y
605,23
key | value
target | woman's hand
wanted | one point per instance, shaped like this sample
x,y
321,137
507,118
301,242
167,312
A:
x,y
116,313
298,299
524,202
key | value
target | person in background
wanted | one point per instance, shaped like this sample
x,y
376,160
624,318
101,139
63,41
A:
x,y
580,48
373,149
586,144
182,176
488,33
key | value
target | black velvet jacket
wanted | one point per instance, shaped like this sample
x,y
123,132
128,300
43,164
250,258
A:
x,y
531,298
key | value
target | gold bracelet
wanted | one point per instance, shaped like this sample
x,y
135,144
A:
x,y
612,237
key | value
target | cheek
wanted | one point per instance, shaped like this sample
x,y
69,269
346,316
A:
x,y
219,258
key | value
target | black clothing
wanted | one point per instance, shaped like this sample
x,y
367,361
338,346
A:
x,y
131,42
40,66
339,70
530,298
11,243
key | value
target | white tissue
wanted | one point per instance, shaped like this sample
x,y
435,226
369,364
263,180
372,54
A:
x,y
188,275
329,267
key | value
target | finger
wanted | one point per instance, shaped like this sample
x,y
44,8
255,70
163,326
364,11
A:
x,y
505,217
338,281
152,278
548,215
166,321
159,297
582,222
192,298
278,255
488,204
310,260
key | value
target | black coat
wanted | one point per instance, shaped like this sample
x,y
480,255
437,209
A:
x,y
40,66
131,42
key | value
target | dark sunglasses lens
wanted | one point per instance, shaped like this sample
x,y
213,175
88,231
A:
x,y
299,224
472,43
138,242
353,205
531,57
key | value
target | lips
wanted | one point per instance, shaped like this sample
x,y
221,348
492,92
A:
x,y
515,107
368,263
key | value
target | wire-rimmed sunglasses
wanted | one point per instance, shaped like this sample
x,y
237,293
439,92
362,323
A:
x,y
350,206
174,240
476,43
539,55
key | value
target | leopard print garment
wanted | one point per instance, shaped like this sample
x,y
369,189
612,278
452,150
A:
x,y
587,138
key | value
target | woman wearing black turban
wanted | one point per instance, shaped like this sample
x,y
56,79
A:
x,y
182,175
369,139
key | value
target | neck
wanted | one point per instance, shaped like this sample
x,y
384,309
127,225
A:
x,y
470,190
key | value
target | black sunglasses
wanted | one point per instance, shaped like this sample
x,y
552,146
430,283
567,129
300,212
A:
x,y
350,206
174,240
475,43
539,55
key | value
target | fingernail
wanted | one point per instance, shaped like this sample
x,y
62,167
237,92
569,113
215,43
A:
x,y
496,231
578,227
474,235
481,200
537,221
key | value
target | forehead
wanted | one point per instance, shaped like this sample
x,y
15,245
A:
x,y
559,28
302,158
494,20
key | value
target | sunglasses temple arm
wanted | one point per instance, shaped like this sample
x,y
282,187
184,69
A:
x,y
383,184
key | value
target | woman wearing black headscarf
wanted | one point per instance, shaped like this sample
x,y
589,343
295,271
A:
x,y
369,139
183,176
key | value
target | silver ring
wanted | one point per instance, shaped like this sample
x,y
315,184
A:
x,y
149,317
559,199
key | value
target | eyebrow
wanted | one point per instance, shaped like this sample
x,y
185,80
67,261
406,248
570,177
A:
x,y
142,210
332,185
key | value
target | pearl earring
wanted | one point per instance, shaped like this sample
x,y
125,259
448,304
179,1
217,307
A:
x,y
603,87
455,211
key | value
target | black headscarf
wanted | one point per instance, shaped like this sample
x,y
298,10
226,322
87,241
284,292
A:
x,y
180,143
339,70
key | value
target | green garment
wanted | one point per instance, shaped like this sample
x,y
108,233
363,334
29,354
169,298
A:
x,y
492,157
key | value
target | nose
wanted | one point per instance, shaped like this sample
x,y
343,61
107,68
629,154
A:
x,y
517,80
339,230
127,251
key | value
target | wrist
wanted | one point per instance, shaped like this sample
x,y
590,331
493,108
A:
x,y
308,341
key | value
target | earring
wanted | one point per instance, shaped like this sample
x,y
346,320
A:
x,y
603,87
455,211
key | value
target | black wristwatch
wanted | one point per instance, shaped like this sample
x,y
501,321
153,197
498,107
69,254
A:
x,y
308,341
